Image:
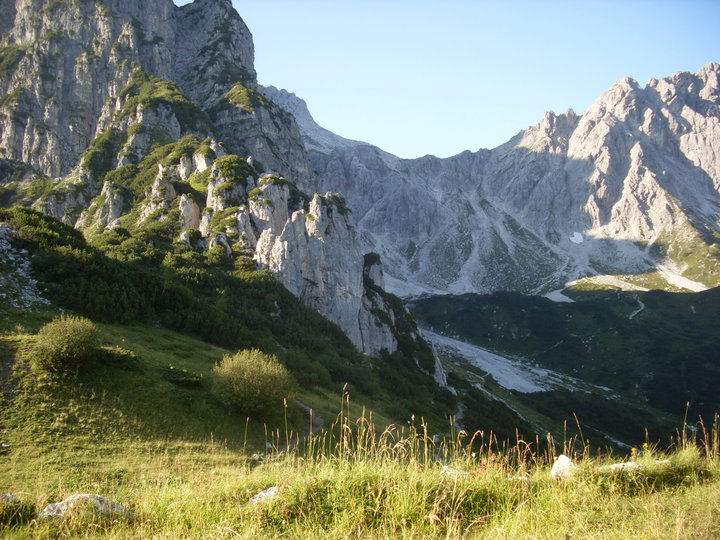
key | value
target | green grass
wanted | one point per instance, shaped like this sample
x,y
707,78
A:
x,y
147,91
246,98
10,56
119,431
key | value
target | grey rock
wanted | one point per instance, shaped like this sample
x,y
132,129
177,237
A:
x,y
85,505
189,213
563,468
264,496
9,499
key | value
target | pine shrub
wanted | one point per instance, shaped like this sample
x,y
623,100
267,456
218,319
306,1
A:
x,y
66,343
252,382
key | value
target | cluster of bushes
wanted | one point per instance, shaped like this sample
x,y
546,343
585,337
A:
x,y
231,306
250,381
221,299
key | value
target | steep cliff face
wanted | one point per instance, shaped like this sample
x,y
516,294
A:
x,y
629,188
64,65
146,119
304,254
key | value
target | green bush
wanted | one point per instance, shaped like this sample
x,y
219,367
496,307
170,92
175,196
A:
x,y
252,382
66,343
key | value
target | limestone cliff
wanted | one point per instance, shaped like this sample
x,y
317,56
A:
x,y
630,188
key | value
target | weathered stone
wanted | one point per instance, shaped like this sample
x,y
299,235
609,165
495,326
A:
x,y
85,505
264,496
305,256
189,213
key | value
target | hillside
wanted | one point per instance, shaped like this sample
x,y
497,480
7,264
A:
x,y
141,429
648,358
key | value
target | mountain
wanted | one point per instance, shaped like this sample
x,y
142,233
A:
x,y
142,124
629,189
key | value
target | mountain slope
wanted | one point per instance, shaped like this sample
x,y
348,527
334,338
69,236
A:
x,y
643,357
630,188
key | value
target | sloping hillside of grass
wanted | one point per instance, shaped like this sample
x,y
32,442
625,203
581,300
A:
x,y
187,468
222,300
142,428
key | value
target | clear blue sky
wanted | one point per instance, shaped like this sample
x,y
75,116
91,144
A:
x,y
419,77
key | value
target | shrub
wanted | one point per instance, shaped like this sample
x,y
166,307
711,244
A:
x,y
251,381
66,343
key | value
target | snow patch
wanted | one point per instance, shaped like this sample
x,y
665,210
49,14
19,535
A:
x,y
577,238
558,296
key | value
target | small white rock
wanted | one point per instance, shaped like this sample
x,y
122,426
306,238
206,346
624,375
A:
x,y
268,494
563,468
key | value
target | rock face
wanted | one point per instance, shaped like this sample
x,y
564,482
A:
x,y
631,186
132,115
85,505
304,254
18,290
64,72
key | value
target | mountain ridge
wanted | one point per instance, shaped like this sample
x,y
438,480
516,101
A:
x,y
622,189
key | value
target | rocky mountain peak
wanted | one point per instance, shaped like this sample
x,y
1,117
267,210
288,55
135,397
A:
x,y
315,137
616,190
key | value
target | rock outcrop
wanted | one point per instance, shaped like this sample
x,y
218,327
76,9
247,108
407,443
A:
x,y
304,253
64,72
87,506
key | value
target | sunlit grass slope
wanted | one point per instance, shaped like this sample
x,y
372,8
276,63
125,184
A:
x,y
153,439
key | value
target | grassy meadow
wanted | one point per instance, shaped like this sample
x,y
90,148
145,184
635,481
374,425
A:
x,y
152,439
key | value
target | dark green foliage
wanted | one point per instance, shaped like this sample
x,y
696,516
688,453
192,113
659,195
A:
x,y
137,179
65,344
138,282
232,73
335,201
181,377
10,56
234,168
252,382
42,231
402,323
667,354
598,415
147,91
308,373
15,512
371,259
100,156
122,176
11,99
